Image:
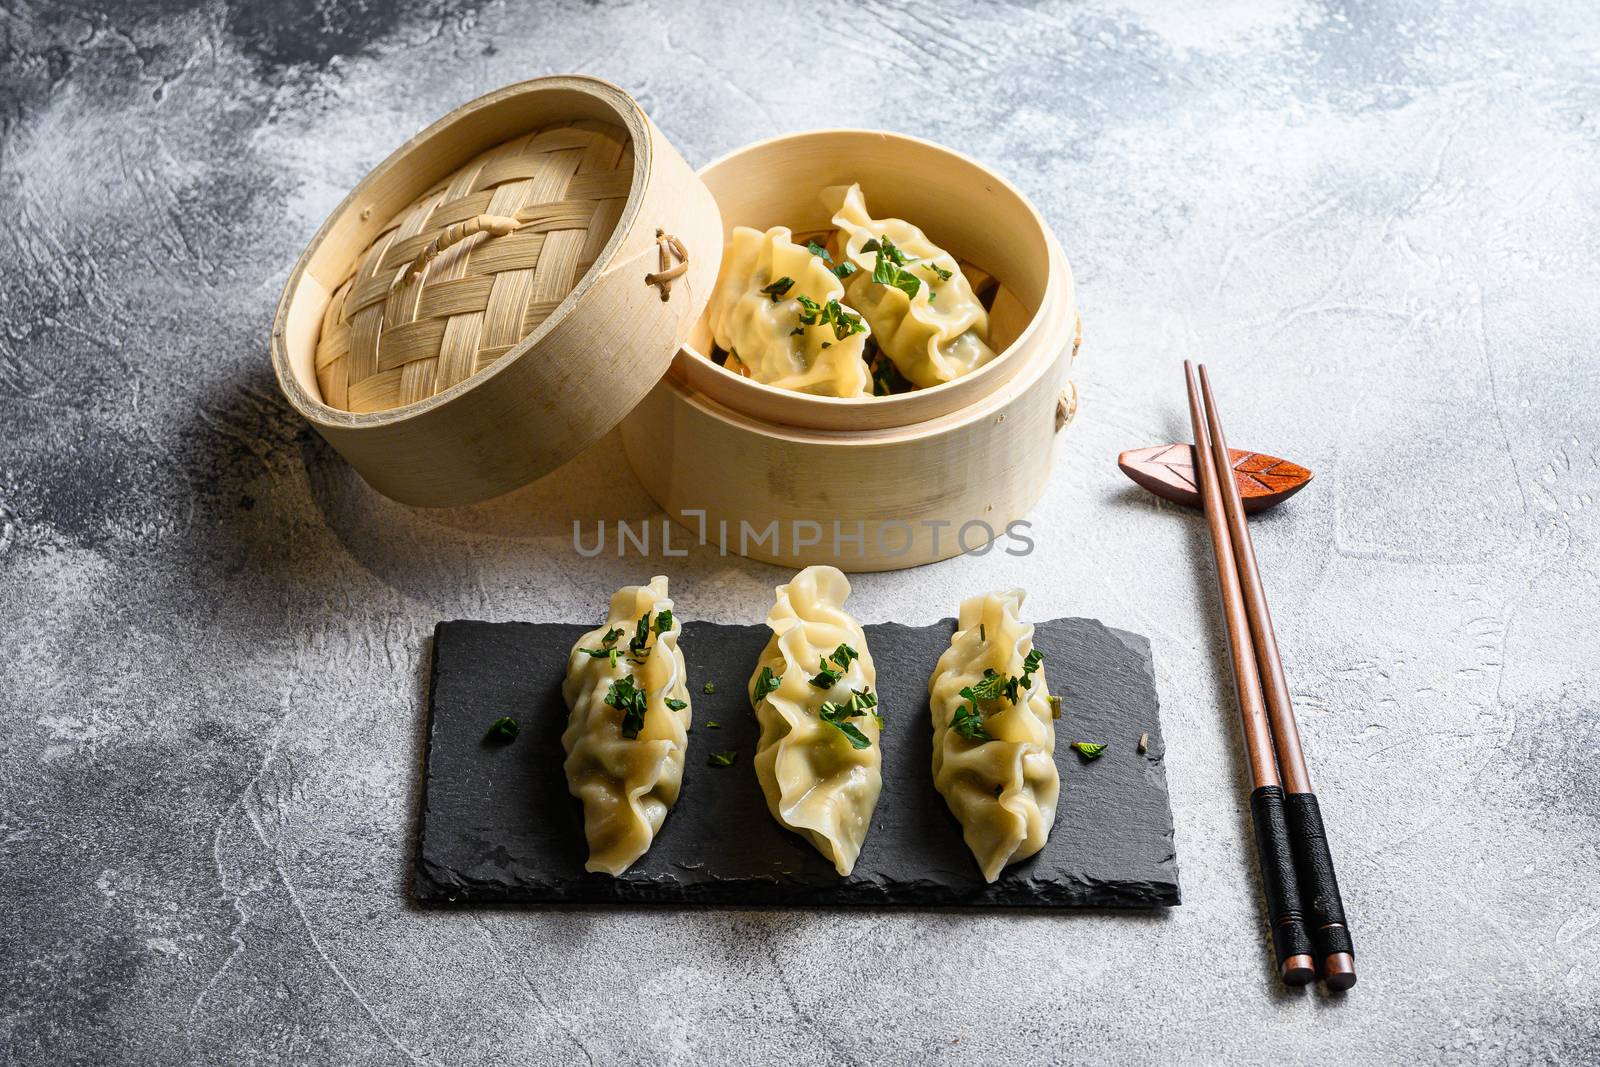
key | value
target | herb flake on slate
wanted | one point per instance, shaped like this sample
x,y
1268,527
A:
x,y
1088,749
709,688
503,730
723,759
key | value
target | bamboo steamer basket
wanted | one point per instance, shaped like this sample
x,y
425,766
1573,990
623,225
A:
x,y
498,293
532,271
870,483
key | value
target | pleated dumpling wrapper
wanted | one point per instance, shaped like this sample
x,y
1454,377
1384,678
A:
x,y
994,737
627,725
913,294
776,308
818,759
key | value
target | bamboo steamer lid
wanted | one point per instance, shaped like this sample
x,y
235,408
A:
x,y
499,293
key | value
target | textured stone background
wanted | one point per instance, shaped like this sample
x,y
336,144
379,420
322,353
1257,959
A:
x,y
1376,221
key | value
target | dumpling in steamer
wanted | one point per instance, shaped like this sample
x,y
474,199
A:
x,y
777,307
818,758
627,725
994,737
912,293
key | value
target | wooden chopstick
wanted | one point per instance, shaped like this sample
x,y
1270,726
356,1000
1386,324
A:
x,y
1279,880
1319,886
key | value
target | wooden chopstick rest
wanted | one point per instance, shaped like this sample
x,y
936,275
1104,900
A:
x,y
1168,471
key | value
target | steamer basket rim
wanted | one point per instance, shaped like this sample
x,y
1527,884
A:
x,y
640,130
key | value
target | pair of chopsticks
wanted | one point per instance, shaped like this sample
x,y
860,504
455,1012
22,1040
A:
x,y
1297,875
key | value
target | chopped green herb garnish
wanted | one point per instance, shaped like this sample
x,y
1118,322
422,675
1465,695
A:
x,y
968,720
838,716
603,653
844,322
766,683
677,705
797,330
639,643
886,272
827,344
503,730
713,725
844,269
778,289
709,688
663,621
723,759
1055,709
606,649
861,702
853,733
1088,749
990,686
817,250
843,655
886,247
983,634
1032,661
628,699
942,274
826,677
809,310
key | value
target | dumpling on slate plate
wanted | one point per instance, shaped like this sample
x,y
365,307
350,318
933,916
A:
x,y
818,758
627,725
994,737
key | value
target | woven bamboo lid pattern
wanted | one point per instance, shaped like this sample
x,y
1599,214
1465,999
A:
x,y
473,266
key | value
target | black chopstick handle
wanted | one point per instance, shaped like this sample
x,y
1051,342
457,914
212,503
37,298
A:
x,y
1319,886
1280,883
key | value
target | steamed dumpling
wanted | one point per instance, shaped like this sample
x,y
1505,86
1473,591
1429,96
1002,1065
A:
x,y
777,307
818,758
994,749
627,725
934,334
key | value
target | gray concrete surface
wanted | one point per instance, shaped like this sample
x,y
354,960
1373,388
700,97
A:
x,y
1376,221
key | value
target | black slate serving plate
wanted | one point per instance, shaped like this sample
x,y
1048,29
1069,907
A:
x,y
498,824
